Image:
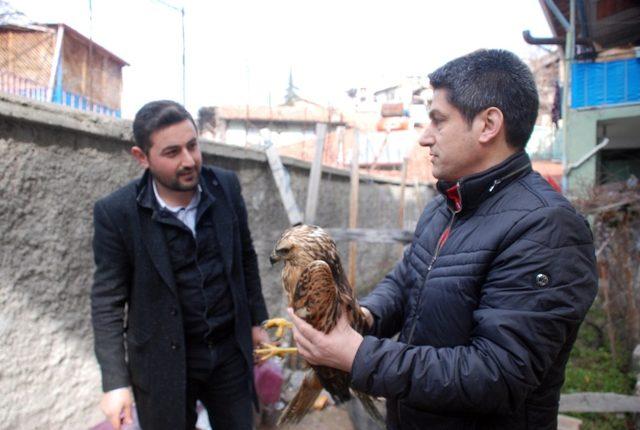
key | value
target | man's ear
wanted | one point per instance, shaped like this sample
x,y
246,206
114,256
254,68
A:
x,y
492,124
140,156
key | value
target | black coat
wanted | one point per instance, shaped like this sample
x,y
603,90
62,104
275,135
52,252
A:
x,y
486,325
133,268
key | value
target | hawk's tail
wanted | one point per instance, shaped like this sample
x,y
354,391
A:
x,y
302,401
370,407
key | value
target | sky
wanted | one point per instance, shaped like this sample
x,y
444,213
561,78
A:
x,y
241,51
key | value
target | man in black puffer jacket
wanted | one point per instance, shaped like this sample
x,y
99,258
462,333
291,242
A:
x,y
488,299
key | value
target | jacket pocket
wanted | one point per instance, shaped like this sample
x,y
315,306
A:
x,y
138,363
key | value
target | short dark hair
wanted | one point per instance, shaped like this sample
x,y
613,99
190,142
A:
x,y
154,116
492,78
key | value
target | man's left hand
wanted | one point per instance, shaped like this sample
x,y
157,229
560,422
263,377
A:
x,y
336,349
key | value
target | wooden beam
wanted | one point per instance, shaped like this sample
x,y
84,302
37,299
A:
x,y
599,402
353,203
371,235
315,176
281,177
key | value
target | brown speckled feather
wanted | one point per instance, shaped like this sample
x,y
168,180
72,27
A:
x,y
318,290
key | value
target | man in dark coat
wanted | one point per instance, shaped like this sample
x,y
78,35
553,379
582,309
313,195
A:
x,y
488,298
176,300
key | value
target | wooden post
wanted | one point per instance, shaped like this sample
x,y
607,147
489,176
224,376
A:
x,y
315,175
403,186
353,203
57,58
603,271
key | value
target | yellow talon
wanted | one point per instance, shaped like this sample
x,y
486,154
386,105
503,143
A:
x,y
281,323
267,351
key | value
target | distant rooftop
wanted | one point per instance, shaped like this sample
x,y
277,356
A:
x,y
67,30
302,111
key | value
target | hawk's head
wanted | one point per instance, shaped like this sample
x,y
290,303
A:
x,y
302,244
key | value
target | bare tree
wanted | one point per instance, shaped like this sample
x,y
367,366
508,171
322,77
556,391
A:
x,y
9,14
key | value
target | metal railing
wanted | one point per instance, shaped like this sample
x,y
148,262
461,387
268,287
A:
x,y
21,86
17,85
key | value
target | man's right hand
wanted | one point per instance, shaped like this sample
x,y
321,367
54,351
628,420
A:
x,y
116,405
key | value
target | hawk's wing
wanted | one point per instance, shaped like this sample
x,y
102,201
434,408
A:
x,y
316,298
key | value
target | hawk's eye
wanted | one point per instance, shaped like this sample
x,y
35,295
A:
x,y
283,251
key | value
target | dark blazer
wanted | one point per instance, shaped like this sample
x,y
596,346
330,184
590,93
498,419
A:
x,y
133,269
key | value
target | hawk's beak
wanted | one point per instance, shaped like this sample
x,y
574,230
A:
x,y
273,258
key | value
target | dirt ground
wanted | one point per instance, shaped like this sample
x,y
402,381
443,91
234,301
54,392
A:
x,y
330,418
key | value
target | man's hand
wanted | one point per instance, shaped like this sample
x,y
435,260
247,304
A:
x,y
116,405
259,336
336,349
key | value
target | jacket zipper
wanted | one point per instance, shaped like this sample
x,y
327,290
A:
x,y
441,241
499,180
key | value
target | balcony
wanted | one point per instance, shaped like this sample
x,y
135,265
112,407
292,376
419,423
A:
x,y
605,84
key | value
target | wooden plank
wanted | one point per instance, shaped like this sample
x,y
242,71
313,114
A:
x,y
599,402
281,177
353,203
315,176
568,423
371,235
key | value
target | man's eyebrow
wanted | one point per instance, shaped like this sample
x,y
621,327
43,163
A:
x,y
170,148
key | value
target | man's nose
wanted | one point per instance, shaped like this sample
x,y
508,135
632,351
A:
x,y
426,138
187,159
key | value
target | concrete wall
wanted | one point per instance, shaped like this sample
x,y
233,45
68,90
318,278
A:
x,y
55,163
583,136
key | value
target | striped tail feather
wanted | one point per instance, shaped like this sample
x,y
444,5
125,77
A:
x,y
302,401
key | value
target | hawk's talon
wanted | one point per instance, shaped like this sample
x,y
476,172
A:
x,y
267,351
281,325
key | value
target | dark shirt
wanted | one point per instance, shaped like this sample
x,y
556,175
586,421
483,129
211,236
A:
x,y
203,290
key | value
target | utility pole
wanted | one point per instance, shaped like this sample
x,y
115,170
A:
x,y
569,50
184,60
184,54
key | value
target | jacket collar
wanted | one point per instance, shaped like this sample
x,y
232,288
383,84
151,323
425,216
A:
x,y
144,191
470,191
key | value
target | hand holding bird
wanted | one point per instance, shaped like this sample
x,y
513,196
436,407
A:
x,y
336,349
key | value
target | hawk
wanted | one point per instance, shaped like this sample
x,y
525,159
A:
x,y
318,291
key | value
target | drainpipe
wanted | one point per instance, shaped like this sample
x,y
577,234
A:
x,y
532,40
558,15
566,93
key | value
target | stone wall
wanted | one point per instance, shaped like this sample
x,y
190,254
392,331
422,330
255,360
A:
x,y
55,164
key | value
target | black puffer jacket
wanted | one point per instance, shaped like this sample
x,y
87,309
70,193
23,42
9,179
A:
x,y
486,320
